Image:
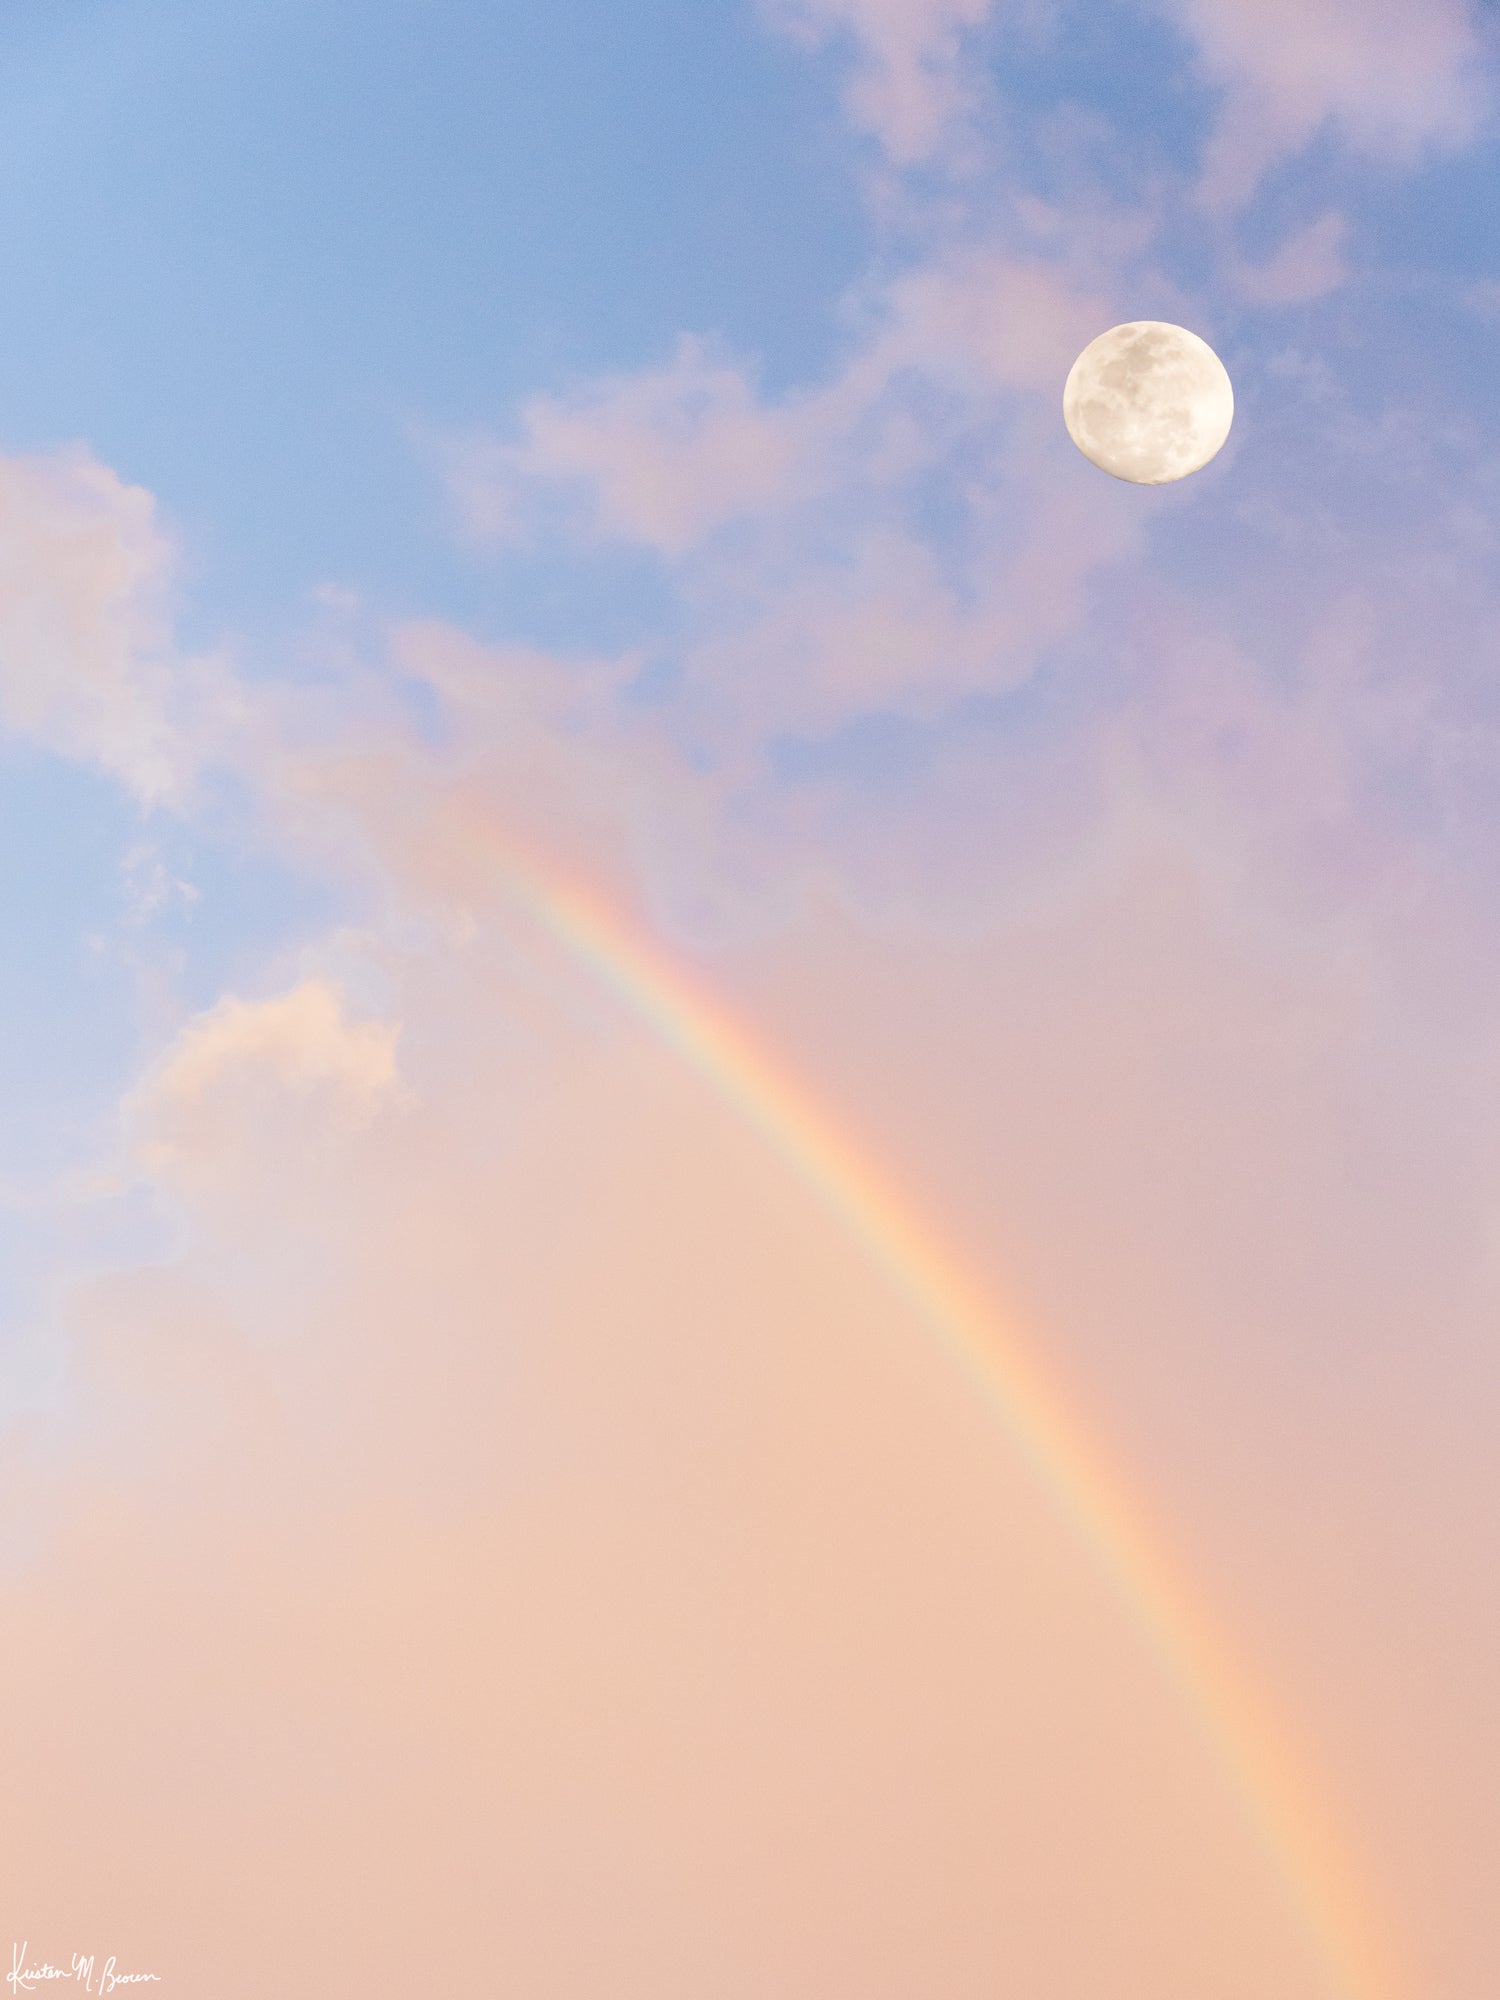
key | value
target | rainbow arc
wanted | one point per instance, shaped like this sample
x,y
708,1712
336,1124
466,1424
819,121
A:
x,y
1275,1787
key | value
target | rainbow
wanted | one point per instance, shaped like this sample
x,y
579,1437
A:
x,y
1276,1791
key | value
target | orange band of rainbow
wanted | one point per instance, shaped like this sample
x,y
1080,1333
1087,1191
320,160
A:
x,y
1278,1795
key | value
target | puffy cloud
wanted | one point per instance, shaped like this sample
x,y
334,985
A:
x,y
87,666
246,1062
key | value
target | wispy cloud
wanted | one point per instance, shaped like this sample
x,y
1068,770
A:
x,y
1310,263
812,589
910,87
1391,80
86,663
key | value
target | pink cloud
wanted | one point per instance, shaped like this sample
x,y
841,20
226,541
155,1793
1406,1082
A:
x,y
666,458
1005,322
909,88
602,1514
518,1510
86,663
1308,265
662,458
789,524
598,1513
298,1046
886,630
1394,79
515,1480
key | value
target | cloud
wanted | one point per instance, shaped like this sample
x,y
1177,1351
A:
x,y
932,541
510,1491
668,458
601,1509
1308,265
1393,80
992,319
909,88
514,1463
87,667
663,457
602,1512
811,590
149,886
250,1060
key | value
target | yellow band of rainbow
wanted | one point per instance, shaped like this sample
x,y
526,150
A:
x,y
1276,1791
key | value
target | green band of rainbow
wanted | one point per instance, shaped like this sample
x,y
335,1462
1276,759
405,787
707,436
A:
x,y
1276,1791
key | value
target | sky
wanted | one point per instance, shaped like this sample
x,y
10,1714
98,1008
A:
x,y
632,896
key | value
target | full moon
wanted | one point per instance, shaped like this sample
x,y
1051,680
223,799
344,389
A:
x,y
1148,402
